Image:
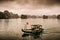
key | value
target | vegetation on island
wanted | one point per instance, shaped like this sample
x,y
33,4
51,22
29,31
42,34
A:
x,y
7,15
41,16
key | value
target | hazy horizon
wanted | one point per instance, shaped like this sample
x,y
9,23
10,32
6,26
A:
x,y
32,7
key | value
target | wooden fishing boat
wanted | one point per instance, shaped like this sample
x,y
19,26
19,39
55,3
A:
x,y
36,30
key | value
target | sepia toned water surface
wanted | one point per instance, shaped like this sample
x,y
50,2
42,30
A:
x,y
10,29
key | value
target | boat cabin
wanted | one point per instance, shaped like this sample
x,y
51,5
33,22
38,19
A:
x,y
36,26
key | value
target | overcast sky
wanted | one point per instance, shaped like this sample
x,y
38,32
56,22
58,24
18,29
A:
x,y
48,7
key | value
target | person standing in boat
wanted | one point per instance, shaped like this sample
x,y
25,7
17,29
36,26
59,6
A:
x,y
38,30
38,27
41,29
26,25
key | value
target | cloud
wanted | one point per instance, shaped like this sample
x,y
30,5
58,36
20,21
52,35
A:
x,y
6,0
35,2
53,2
29,3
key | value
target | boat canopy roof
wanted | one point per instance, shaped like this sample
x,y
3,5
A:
x,y
34,26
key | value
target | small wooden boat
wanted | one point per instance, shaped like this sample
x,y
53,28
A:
x,y
36,30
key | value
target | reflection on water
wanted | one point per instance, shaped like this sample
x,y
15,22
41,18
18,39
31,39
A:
x,y
9,24
13,27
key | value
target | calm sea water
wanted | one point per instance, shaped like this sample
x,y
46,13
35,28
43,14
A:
x,y
12,28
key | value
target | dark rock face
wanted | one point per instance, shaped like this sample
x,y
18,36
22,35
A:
x,y
58,17
45,17
7,15
23,16
2,15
